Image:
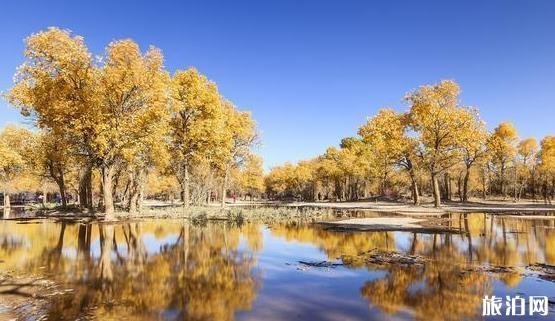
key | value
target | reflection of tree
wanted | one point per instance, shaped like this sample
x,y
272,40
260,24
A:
x,y
203,275
391,293
56,252
208,273
549,246
443,288
438,290
136,251
105,273
215,278
333,243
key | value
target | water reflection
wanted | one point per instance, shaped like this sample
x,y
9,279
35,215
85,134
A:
x,y
171,270
188,273
446,287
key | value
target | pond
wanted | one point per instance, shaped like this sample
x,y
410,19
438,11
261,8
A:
x,y
172,270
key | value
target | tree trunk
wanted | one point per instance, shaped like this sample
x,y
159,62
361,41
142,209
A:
x,y
465,185
446,186
7,200
545,192
459,187
384,184
44,198
107,173
450,187
437,193
502,183
135,189
484,184
63,194
414,188
62,187
345,191
515,184
132,205
533,185
141,193
186,186
85,188
224,185
7,205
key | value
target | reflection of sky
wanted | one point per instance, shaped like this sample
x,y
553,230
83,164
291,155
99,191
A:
x,y
95,248
69,252
528,286
403,241
154,244
289,293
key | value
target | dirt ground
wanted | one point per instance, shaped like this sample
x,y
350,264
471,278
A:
x,y
427,208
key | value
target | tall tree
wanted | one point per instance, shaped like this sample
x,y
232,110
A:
x,y
56,87
251,176
51,161
132,102
525,165
239,136
386,135
13,143
195,111
502,146
473,139
438,119
547,167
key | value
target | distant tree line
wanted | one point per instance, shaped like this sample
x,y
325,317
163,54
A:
x,y
111,129
437,146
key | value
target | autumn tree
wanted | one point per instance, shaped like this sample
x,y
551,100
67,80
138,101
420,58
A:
x,y
195,110
386,135
437,117
131,105
525,166
330,170
547,167
357,164
13,143
473,139
290,180
250,177
159,183
56,87
238,138
51,162
502,146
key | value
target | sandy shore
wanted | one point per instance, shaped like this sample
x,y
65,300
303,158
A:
x,y
428,209
387,224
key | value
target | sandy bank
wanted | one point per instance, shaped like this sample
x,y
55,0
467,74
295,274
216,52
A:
x,y
428,209
388,224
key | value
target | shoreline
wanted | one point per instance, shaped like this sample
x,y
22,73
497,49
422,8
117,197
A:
x,y
493,207
279,210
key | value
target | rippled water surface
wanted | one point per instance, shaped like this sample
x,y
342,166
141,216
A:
x,y
172,270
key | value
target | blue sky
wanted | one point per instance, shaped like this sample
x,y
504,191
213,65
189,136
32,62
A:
x,y
312,71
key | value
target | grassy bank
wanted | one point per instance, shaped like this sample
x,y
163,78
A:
x,y
236,214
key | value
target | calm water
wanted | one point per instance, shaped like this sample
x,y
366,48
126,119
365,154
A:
x,y
171,270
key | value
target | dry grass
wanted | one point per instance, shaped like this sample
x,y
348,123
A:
x,y
236,214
